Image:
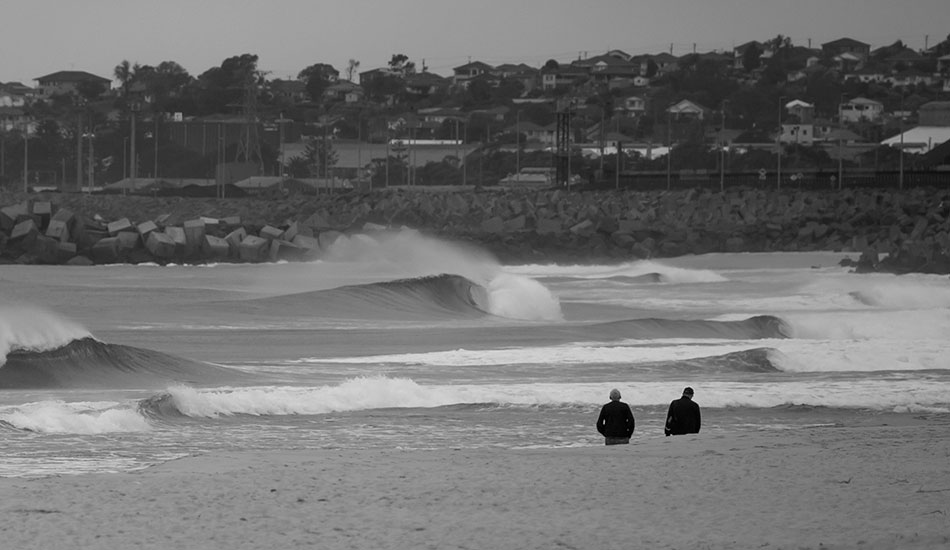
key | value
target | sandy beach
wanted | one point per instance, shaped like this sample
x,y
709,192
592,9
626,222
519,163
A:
x,y
881,485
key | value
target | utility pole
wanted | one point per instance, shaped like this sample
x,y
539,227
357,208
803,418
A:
x,y
79,153
26,157
133,112
778,143
155,137
91,162
669,149
722,149
518,146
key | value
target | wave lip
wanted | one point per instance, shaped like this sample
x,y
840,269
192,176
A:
x,y
753,328
89,363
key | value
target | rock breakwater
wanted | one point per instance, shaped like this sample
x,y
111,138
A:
x,y
895,231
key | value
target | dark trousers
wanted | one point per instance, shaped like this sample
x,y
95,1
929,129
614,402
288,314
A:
x,y
616,440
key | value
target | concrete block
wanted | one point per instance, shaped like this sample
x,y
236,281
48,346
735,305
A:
x,y
44,248
515,224
106,251
65,252
64,215
548,226
9,215
254,249
215,247
160,245
194,236
58,230
307,243
128,240
270,232
234,239
493,225
231,221
285,250
119,225
145,228
178,236
162,220
290,232
24,233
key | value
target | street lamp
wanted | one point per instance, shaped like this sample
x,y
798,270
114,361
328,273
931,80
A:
x,y
517,145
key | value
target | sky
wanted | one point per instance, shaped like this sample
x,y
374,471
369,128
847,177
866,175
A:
x,y
38,37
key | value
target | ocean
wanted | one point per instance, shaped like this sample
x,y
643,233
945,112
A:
x,y
406,341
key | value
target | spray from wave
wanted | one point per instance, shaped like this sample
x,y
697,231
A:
x,y
29,328
415,255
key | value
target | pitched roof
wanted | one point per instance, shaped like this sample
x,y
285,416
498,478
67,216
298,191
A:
x,y
71,76
845,42
474,65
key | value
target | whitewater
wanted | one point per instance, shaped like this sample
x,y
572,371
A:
x,y
405,341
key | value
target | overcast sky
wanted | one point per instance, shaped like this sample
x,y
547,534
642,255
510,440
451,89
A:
x,y
38,37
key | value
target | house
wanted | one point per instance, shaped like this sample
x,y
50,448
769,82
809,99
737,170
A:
x,y
943,64
344,90
905,59
464,73
441,114
799,134
841,46
14,118
803,110
426,84
688,110
634,105
620,54
665,63
861,109
604,68
910,77
370,76
15,94
534,132
68,82
934,113
294,91
867,74
564,75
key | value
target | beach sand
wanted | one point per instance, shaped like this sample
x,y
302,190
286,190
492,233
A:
x,y
879,485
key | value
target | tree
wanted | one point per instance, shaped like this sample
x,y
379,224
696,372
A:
x,y
400,64
318,77
551,65
319,156
751,58
124,73
351,67
222,88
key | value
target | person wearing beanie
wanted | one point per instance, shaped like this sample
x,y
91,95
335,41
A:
x,y
683,416
616,421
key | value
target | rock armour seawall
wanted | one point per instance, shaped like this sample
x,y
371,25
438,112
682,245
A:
x,y
894,231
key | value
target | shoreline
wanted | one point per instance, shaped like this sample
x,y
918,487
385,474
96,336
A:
x,y
868,486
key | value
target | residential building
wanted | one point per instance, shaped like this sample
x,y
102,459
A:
x,y
634,105
533,132
294,91
841,46
426,84
68,82
686,110
799,134
943,64
368,77
14,118
802,110
565,75
861,109
344,90
464,73
739,53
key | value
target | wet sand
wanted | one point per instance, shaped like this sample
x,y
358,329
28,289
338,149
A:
x,y
873,486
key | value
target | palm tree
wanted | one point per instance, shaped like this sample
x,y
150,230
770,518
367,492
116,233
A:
x,y
124,73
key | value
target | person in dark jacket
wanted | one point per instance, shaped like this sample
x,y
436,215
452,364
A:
x,y
683,416
616,421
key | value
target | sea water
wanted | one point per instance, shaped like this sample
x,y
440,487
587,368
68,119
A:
x,y
405,341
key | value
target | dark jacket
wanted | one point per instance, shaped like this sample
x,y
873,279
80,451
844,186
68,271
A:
x,y
616,420
683,417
